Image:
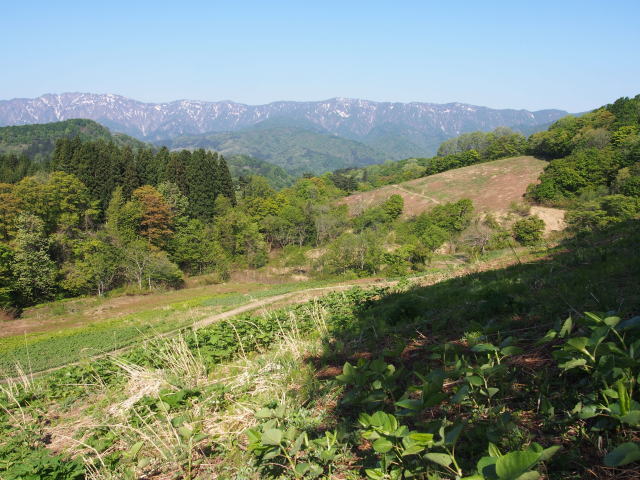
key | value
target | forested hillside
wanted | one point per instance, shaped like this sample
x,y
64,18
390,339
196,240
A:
x,y
467,149
297,150
38,141
243,166
106,216
508,356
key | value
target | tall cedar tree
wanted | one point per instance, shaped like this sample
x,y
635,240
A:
x,y
132,178
226,183
203,179
176,170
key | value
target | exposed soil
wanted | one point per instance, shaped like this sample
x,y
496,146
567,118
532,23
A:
x,y
553,218
492,186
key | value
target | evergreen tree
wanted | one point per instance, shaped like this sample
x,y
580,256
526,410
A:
x,y
203,180
226,183
132,178
176,169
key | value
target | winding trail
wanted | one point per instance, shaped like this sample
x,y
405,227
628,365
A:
x,y
402,189
299,296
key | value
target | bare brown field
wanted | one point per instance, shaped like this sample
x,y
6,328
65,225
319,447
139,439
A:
x,y
492,186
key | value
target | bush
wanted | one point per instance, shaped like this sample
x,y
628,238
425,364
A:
x,y
528,231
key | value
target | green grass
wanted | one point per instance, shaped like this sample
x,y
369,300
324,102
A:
x,y
42,351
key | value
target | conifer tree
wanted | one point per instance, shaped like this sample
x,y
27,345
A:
x,y
176,170
132,178
203,178
226,183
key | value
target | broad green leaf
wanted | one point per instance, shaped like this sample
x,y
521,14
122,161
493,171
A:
x,y
461,394
272,436
412,450
547,453
549,336
588,411
511,350
593,317
576,362
421,438
255,436
493,450
612,321
529,476
185,432
382,445
492,391
302,468
374,474
487,467
632,418
567,326
513,464
474,380
410,404
452,435
484,348
439,458
623,455
579,343
264,413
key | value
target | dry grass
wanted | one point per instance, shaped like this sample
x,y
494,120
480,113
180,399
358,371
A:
x,y
492,186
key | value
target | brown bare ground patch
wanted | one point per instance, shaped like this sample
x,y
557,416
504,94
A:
x,y
553,218
492,186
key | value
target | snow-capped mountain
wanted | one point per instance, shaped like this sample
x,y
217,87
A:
x,y
362,120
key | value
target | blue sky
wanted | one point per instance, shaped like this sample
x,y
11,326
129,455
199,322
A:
x,y
573,55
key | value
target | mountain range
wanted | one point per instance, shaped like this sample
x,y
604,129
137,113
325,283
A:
x,y
315,135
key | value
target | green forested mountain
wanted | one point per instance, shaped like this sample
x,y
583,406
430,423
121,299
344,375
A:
x,y
296,149
38,141
244,166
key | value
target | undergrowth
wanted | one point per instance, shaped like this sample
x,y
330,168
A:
x,y
519,373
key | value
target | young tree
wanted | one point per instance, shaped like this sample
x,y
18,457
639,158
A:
x,y
95,269
393,206
156,219
529,230
35,273
8,300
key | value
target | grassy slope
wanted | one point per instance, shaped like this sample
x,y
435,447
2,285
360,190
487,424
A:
x,y
57,335
491,186
300,353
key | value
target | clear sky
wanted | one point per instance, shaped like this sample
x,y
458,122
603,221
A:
x,y
573,55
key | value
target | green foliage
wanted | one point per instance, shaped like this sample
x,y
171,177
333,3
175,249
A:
x,y
297,150
243,167
597,150
393,206
500,143
528,230
34,271
37,142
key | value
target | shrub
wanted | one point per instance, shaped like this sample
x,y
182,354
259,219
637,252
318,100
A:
x,y
528,231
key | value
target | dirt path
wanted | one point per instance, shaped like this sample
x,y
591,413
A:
x,y
402,189
300,296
